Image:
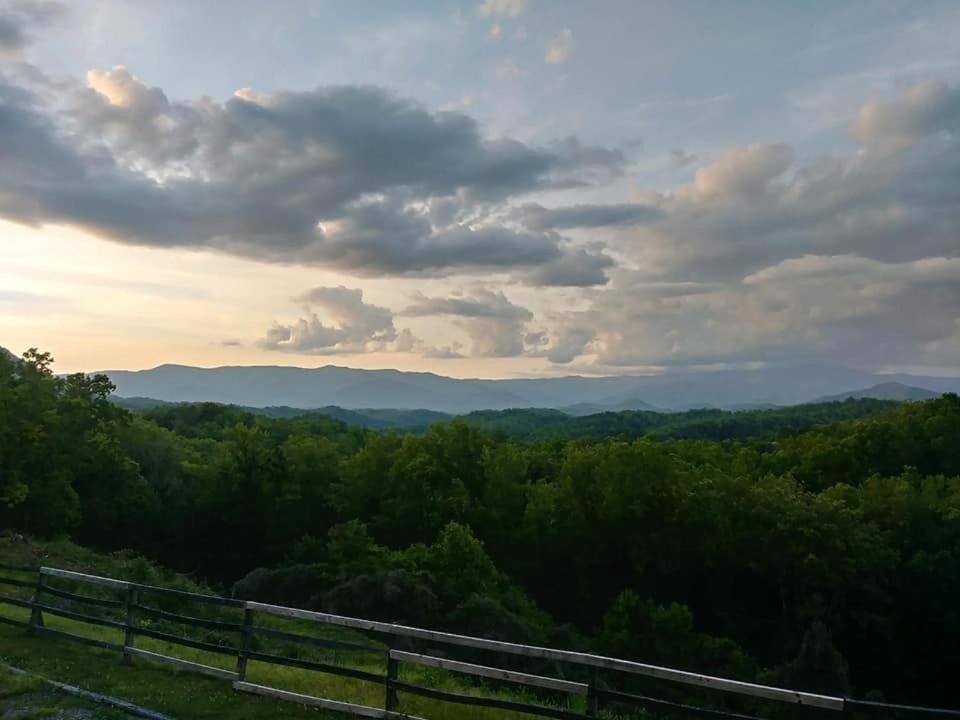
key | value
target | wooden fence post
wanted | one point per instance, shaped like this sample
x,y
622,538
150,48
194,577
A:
x,y
36,616
246,636
592,694
133,598
391,701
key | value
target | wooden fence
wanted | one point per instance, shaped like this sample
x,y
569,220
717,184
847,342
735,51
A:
x,y
575,674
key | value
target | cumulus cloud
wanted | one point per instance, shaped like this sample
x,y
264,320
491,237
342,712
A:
x,y
384,237
348,325
749,172
570,344
345,177
575,268
496,326
850,259
895,199
853,310
559,48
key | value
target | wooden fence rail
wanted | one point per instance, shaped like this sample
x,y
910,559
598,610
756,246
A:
x,y
560,693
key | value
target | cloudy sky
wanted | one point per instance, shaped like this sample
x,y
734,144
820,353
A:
x,y
487,188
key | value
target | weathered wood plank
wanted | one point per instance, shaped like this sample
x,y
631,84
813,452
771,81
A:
x,y
129,637
19,602
628,666
246,637
188,619
83,577
36,617
316,666
15,623
18,583
183,664
336,705
88,599
123,584
909,710
491,672
186,642
80,617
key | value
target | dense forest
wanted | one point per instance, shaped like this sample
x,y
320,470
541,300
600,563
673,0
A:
x,y
702,424
819,549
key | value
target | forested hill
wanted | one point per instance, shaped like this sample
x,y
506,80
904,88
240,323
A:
x,y
826,560
534,423
373,418
707,424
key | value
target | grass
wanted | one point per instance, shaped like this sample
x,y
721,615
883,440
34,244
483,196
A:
x,y
186,695
25,697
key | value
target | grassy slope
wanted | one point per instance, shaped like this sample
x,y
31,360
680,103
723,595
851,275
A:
x,y
187,695
29,698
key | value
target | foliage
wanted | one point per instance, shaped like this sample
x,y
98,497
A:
x,y
704,423
817,547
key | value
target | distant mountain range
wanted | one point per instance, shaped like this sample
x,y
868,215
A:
x,y
609,405
352,389
886,391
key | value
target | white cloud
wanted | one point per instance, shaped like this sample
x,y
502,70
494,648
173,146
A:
x,y
496,326
348,325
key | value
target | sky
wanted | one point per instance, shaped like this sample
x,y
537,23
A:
x,y
492,188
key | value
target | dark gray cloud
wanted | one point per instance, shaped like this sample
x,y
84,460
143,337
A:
x,y
384,237
570,343
577,267
345,177
585,216
19,18
481,303
11,35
